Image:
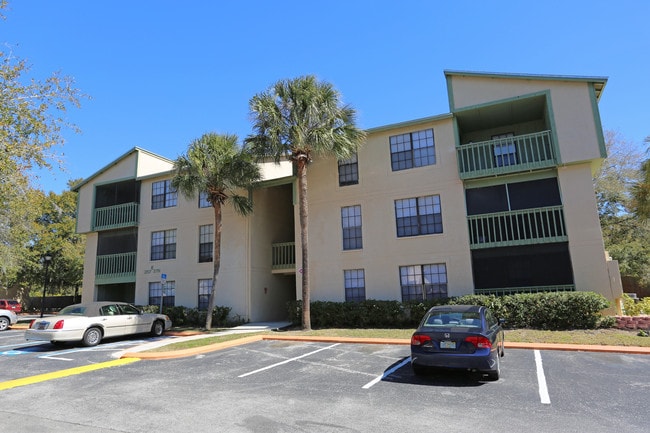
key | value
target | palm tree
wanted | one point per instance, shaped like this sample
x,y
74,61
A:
x,y
217,166
296,119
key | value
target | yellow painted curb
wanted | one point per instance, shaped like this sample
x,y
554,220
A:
x,y
193,351
63,373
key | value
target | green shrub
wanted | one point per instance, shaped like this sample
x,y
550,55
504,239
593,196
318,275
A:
x,y
635,308
550,311
193,317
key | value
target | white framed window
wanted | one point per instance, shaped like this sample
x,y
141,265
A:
x,y
163,195
421,282
349,171
203,200
163,245
418,216
505,151
355,285
206,243
167,291
351,222
205,288
413,149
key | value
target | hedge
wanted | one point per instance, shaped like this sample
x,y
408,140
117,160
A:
x,y
549,310
193,317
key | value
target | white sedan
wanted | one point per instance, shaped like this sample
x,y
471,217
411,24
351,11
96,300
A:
x,y
89,323
7,318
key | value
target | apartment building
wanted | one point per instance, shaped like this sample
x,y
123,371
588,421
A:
x,y
495,196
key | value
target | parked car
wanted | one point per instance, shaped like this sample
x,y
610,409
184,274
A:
x,y
12,305
7,318
89,323
460,337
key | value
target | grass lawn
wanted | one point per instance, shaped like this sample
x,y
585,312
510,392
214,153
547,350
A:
x,y
608,337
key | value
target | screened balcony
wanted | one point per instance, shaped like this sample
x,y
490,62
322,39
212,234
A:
x,y
531,289
519,227
117,216
506,155
115,268
283,257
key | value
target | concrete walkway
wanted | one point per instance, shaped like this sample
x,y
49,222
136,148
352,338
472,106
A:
x,y
140,351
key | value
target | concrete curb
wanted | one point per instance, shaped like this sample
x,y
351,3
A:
x,y
394,341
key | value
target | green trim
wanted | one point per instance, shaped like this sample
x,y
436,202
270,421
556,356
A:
x,y
503,101
410,123
450,93
551,124
119,159
513,178
597,121
598,82
277,182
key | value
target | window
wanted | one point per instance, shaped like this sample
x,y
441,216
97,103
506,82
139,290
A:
x,y
414,149
505,152
205,288
349,171
163,245
351,221
206,241
163,195
355,285
203,200
423,282
167,291
418,216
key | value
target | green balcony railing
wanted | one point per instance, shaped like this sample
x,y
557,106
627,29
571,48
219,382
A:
x,y
506,155
522,227
530,289
115,267
283,256
118,216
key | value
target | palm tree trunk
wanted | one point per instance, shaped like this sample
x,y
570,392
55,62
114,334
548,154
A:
x,y
302,203
216,261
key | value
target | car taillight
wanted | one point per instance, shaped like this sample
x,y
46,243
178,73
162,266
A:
x,y
418,339
32,322
479,341
58,324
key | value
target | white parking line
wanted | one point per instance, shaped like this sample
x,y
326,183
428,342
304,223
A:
x,y
287,361
387,373
541,379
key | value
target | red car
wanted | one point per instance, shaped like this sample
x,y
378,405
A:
x,y
11,305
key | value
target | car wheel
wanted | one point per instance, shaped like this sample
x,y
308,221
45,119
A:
x,y
4,323
92,337
418,370
494,374
157,328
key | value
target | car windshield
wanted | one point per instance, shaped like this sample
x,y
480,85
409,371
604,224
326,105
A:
x,y
13,302
447,319
75,310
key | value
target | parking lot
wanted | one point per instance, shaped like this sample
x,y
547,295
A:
x,y
287,386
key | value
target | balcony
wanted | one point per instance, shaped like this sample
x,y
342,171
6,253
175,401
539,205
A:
x,y
115,268
506,155
522,227
117,216
283,258
532,289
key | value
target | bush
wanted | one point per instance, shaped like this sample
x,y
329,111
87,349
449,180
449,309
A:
x,y
550,311
634,308
193,317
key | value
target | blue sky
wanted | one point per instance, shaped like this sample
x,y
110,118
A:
x,y
161,73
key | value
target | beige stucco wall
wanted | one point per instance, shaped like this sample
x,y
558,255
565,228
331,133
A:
x,y
186,270
383,252
88,282
572,113
583,229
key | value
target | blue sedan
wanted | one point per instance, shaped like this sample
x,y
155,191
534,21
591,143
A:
x,y
465,337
